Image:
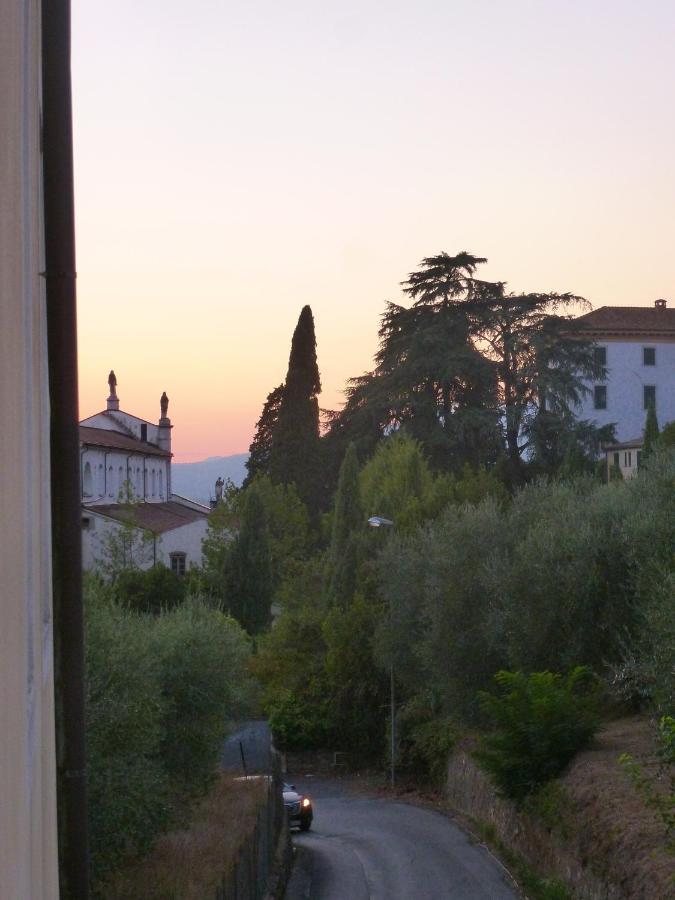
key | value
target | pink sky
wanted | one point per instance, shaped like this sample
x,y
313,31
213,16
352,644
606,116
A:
x,y
236,161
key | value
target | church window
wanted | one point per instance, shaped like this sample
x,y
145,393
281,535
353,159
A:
x,y
87,481
161,485
153,482
111,490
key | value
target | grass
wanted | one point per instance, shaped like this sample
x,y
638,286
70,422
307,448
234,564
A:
x,y
189,864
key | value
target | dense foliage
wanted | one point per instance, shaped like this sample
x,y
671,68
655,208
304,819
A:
x,y
160,690
540,722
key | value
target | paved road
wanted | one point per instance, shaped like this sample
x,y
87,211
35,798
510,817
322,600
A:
x,y
371,849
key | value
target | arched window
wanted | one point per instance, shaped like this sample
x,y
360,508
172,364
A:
x,y
101,481
153,482
161,485
111,488
120,480
87,481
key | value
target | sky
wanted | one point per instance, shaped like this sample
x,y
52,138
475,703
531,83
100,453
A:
x,y
235,161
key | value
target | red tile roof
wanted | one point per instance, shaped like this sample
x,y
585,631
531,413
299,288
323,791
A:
x,y
154,517
629,320
115,440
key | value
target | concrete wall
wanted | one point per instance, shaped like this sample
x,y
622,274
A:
x,y
626,379
28,847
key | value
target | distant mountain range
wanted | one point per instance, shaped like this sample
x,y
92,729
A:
x,y
197,481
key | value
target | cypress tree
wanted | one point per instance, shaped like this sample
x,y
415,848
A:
x,y
249,568
347,525
294,454
651,434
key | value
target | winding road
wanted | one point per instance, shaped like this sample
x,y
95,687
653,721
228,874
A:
x,y
366,848
362,848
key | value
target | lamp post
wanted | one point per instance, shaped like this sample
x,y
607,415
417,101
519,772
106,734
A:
x,y
379,522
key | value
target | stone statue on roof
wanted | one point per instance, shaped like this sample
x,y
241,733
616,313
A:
x,y
164,404
112,382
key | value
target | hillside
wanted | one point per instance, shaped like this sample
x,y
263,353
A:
x,y
197,480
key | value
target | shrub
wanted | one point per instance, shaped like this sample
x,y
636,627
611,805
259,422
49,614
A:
x,y
542,720
159,692
425,740
150,590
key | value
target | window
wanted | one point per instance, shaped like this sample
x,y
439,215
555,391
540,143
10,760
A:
x,y
638,456
600,396
161,485
86,523
649,396
87,481
600,355
627,459
649,356
178,563
110,482
616,459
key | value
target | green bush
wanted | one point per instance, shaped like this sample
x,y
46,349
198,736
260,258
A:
x,y
425,740
541,721
298,722
201,655
159,692
150,590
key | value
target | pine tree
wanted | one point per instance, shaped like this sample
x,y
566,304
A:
x,y
651,434
294,455
249,570
258,462
347,525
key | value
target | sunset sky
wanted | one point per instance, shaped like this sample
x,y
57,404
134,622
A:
x,y
235,161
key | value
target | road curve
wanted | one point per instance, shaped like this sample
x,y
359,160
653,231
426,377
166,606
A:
x,y
371,849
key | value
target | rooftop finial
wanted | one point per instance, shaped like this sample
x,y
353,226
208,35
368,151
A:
x,y
113,400
164,404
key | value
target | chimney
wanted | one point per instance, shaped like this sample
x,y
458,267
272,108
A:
x,y
113,401
660,304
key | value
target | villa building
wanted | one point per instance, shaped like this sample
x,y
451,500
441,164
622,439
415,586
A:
x,y
637,345
125,471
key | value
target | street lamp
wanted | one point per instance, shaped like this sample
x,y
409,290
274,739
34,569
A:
x,y
378,522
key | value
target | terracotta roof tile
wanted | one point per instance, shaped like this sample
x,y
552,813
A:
x,y
155,517
115,440
638,320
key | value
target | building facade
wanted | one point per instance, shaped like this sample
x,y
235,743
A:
x,y
128,507
28,833
637,345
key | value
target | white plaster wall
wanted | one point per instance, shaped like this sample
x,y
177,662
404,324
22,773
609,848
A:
x,y
105,466
625,381
115,418
28,846
186,539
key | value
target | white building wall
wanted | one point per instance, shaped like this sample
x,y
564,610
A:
x,y
107,467
626,378
99,529
28,844
118,420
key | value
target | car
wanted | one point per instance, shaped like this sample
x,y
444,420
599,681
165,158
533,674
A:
x,y
298,808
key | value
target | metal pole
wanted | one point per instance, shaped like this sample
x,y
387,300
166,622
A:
x,y
393,724
59,240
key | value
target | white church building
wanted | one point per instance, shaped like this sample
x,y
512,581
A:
x,y
637,346
125,472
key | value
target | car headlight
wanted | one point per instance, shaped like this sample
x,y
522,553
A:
x,y
306,802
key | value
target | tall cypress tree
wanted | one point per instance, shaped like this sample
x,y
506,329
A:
x,y
294,454
347,526
249,568
651,434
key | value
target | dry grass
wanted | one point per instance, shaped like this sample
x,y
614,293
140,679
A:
x,y
189,864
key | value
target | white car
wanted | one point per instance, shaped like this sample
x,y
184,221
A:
x,y
298,808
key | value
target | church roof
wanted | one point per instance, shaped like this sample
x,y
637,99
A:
x,y
638,321
154,517
115,440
